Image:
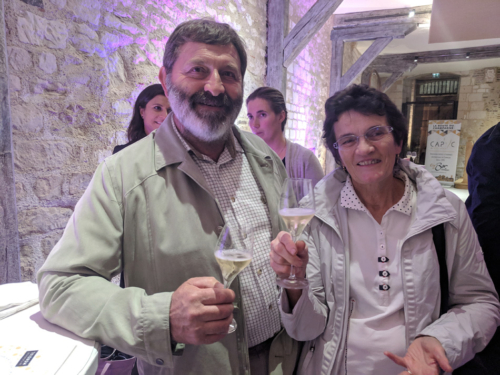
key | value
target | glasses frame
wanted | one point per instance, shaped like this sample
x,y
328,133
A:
x,y
337,146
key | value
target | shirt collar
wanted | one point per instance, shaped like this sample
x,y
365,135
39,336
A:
x,y
349,198
231,147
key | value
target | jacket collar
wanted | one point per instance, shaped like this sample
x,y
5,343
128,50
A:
x,y
432,205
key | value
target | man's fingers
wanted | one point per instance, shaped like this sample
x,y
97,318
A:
x,y
396,359
286,239
215,312
216,296
204,282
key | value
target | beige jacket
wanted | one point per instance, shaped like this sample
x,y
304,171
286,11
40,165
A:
x,y
149,211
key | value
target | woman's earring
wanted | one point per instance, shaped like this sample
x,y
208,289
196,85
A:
x,y
345,169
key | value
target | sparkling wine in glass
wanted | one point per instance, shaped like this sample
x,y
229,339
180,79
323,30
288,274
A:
x,y
297,208
233,252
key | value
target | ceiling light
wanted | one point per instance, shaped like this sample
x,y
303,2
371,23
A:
x,y
467,55
424,25
435,75
411,13
416,59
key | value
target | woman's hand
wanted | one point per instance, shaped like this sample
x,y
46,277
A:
x,y
425,356
285,252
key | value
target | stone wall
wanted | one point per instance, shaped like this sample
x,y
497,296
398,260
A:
x,y
478,108
308,80
478,105
76,68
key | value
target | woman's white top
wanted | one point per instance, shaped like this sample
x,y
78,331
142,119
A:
x,y
377,321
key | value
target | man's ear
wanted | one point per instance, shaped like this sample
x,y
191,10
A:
x,y
162,76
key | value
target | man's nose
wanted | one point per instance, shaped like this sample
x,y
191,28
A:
x,y
214,84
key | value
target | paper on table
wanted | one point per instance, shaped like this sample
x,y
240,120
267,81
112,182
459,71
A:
x,y
16,294
48,360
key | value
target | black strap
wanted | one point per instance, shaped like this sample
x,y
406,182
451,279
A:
x,y
440,244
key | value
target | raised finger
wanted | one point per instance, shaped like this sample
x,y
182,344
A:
x,y
396,359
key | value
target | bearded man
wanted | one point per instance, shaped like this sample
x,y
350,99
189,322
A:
x,y
154,212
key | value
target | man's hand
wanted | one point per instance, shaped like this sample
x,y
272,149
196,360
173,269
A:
x,y
201,311
425,356
284,252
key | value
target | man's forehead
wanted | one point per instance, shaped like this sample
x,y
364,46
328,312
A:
x,y
194,51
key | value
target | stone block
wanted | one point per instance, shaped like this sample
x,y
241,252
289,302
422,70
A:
x,y
465,89
69,59
84,44
477,115
485,86
59,3
48,242
116,68
26,118
465,81
87,10
42,156
111,20
14,83
463,105
19,58
31,30
79,182
47,62
48,188
112,42
477,106
43,220
56,35
476,97
20,190
122,107
46,86
87,31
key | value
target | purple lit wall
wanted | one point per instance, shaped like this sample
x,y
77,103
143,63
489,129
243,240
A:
x,y
76,68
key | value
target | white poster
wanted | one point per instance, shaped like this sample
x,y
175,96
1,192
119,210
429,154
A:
x,y
441,155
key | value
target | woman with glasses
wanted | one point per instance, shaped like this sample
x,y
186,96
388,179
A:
x,y
373,303
267,117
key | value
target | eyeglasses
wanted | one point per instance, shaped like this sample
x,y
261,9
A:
x,y
372,135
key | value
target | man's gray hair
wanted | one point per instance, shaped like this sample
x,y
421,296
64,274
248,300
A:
x,y
203,31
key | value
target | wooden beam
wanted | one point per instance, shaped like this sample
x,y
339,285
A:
x,y
392,67
364,60
277,19
354,34
307,27
451,55
336,66
376,17
390,81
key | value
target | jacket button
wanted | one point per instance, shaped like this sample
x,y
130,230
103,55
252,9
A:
x,y
259,272
159,361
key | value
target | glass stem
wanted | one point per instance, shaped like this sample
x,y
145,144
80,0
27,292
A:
x,y
292,268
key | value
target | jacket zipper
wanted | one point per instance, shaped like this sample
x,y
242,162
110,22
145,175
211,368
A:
x,y
351,307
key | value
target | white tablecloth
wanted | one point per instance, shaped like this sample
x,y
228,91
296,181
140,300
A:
x,y
60,352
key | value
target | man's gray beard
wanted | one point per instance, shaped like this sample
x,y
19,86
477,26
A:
x,y
207,127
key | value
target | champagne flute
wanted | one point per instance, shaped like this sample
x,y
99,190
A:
x,y
233,252
297,208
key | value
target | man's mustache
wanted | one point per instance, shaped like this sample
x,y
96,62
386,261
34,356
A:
x,y
204,97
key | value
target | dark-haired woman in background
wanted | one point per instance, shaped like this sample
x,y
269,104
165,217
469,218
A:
x,y
150,109
373,303
267,117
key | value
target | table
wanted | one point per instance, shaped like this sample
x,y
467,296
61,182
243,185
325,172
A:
x,y
29,329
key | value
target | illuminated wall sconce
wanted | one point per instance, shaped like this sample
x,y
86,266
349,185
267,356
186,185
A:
x,y
411,14
467,55
416,59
